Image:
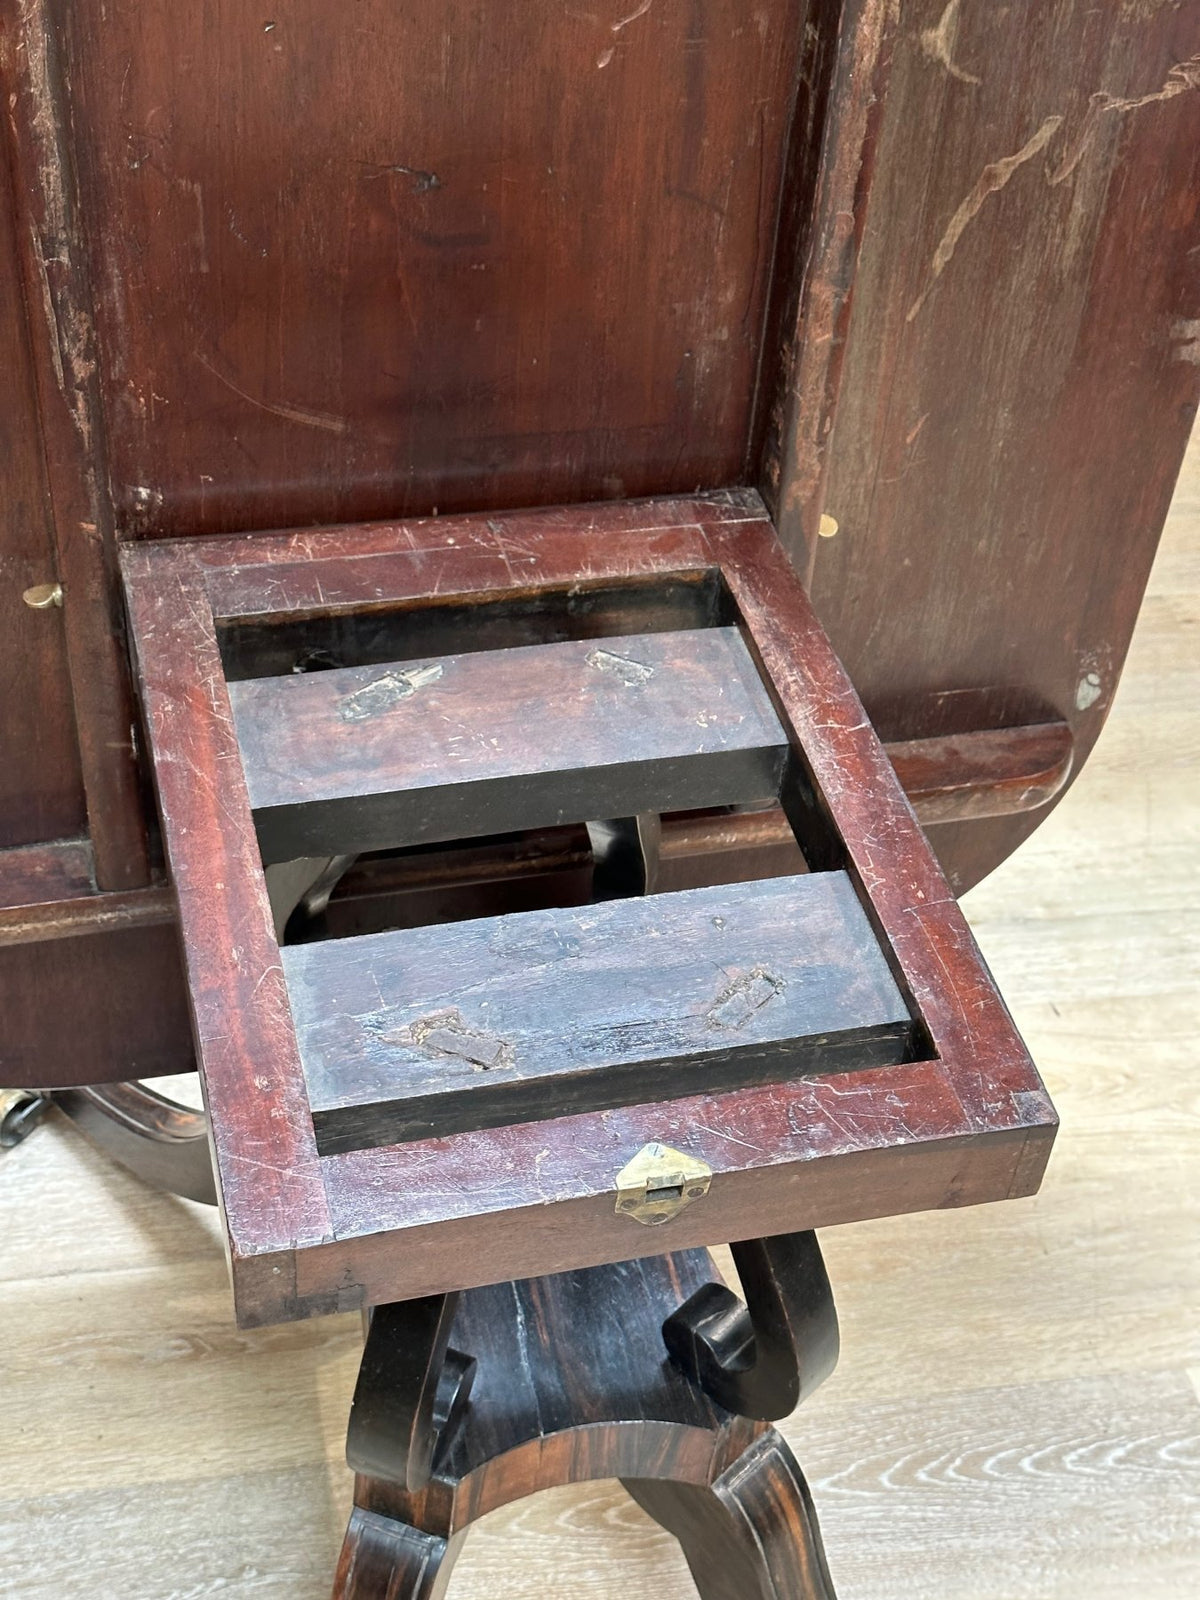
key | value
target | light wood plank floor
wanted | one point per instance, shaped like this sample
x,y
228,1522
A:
x,y
1015,1414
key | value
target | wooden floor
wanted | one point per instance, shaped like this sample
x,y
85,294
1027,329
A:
x,y
1016,1411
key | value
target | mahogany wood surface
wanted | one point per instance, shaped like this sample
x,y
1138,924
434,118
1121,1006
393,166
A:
x,y
41,788
105,1004
1051,191
428,1032
49,894
999,772
1021,376
970,1122
350,265
420,751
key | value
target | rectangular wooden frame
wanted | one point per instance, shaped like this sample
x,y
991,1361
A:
x,y
310,1234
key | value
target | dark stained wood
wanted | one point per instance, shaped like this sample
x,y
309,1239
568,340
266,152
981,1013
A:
x,y
380,1556
752,1534
988,773
319,639
58,285
411,1393
106,1004
444,747
760,1357
41,790
972,1122
426,290
528,871
164,1143
429,1032
571,1385
1021,376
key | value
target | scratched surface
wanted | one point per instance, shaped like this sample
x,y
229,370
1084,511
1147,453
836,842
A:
x,y
407,752
970,1122
399,256
1022,372
429,1031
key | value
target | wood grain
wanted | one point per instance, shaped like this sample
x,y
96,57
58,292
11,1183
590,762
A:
x,y
428,1032
65,364
1011,1418
458,747
426,290
968,1121
1021,376
41,789
596,351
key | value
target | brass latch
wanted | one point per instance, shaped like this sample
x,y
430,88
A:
x,y
657,1184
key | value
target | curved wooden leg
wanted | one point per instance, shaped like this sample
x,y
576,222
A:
x,y
753,1535
762,1358
384,1558
162,1142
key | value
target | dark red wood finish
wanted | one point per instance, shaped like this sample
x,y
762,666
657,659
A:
x,y
41,790
1023,296
972,1122
1023,347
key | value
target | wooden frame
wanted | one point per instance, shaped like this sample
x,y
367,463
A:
x,y
311,1234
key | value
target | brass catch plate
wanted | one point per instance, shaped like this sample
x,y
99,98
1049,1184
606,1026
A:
x,y
658,1183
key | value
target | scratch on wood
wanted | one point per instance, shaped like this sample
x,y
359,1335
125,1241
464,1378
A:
x,y
423,180
1185,333
739,1001
384,692
631,673
70,325
1184,75
633,16
310,419
938,44
994,177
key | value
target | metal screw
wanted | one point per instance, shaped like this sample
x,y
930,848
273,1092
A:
x,y
827,526
43,595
